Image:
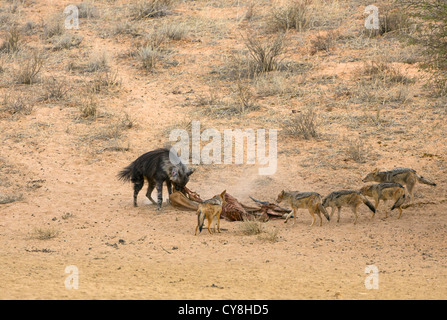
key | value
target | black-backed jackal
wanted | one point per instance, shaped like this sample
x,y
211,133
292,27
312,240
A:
x,y
404,176
386,191
304,200
346,198
210,209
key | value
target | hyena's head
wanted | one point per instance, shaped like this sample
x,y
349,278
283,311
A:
x,y
280,197
177,170
179,176
372,176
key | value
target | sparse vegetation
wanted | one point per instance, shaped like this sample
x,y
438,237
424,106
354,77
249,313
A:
x,y
265,55
143,9
323,42
303,124
432,37
379,71
54,26
244,97
88,108
148,57
54,89
15,105
174,31
87,10
254,227
12,41
66,41
78,105
104,82
251,227
44,233
355,149
28,72
391,21
293,15
98,61
262,55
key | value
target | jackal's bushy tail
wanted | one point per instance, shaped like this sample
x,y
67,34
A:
x,y
368,204
425,181
200,219
323,210
399,202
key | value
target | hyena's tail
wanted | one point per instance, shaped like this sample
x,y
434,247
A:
x,y
368,204
399,202
126,173
323,210
200,218
425,181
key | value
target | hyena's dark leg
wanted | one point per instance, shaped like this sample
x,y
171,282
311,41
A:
x,y
169,186
149,191
159,194
138,185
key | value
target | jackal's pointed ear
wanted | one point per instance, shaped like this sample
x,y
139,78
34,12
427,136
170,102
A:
x,y
190,171
223,193
376,170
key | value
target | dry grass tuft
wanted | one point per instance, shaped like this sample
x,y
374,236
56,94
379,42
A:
x,y
28,72
44,233
13,106
303,124
294,15
12,41
265,55
144,9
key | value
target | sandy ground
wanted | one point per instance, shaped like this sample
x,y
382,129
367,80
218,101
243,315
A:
x,y
69,187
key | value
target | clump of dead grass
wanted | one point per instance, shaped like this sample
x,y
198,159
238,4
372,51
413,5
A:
x,y
265,55
143,9
87,10
393,22
384,72
66,41
44,233
261,56
293,15
12,41
15,105
256,227
104,82
54,26
303,124
88,109
323,42
28,72
355,150
54,89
